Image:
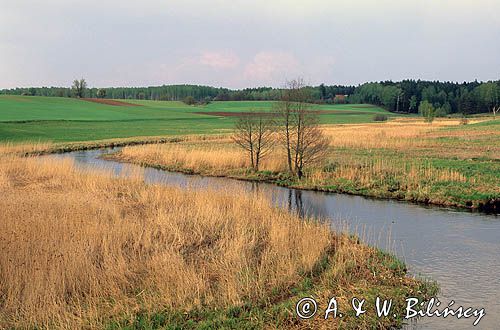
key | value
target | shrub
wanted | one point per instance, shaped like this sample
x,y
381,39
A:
x,y
427,111
189,100
380,117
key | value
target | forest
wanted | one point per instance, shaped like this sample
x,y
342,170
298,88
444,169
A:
x,y
404,96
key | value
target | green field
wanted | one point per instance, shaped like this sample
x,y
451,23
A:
x,y
29,118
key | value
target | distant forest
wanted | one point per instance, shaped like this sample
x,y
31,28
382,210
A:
x,y
404,96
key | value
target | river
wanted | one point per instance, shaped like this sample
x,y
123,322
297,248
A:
x,y
458,249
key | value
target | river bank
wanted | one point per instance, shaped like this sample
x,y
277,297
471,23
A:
x,y
446,164
152,259
405,161
283,179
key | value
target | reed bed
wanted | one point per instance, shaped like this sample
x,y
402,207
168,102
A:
x,y
224,159
204,158
83,249
410,173
79,248
402,134
404,159
9,148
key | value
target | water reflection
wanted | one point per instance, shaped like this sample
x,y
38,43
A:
x,y
295,203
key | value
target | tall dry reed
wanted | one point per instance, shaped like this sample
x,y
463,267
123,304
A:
x,y
9,148
78,248
205,158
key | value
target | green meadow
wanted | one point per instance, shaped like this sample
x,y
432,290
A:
x,y
30,118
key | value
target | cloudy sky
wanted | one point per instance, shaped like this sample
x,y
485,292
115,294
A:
x,y
234,43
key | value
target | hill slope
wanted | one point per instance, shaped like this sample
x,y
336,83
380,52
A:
x,y
24,118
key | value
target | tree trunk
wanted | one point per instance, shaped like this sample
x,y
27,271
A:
x,y
288,149
257,156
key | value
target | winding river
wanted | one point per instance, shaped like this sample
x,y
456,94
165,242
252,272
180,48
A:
x,y
460,250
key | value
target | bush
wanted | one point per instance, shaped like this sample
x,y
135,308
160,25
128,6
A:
x,y
189,100
101,93
380,117
330,166
440,112
427,111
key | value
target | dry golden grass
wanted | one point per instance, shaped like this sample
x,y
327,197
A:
x,y
24,148
78,248
227,159
400,134
411,174
220,156
211,157
406,159
45,147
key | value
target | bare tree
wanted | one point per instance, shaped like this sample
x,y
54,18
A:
x,y
292,98
79,87
304,142
254,133
310,145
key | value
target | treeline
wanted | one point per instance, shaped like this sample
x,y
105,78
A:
x,y
319,94
180,92
446,97
159,93
404,96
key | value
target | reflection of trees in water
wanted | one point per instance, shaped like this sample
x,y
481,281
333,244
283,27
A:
x,y
296,203
303,203
254,187
308,203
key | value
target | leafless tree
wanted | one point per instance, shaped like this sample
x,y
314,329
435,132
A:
x,y
304,142
286,108
254,133
310,144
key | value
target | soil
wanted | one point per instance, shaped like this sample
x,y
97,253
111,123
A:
x,y
111,102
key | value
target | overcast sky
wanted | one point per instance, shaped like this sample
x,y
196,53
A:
x,y
233,43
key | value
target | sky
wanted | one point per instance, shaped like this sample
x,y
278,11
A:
x,y
238,44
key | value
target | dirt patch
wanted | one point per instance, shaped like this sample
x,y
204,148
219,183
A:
x,y
111,102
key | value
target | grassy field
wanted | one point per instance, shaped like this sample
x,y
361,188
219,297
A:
x,y
25,118
445,163
158,257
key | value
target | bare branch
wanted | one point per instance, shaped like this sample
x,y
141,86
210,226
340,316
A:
x,y
254,133
300,134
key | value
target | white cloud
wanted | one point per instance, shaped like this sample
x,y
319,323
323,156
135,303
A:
x,y
219,59
268,67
